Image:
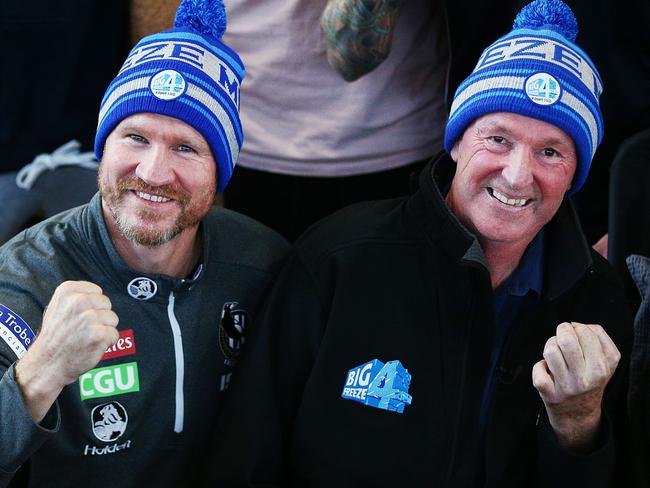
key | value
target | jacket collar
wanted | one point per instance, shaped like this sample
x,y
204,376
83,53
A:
x,y
567,256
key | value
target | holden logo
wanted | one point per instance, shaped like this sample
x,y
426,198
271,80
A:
x,y
142,288
109,421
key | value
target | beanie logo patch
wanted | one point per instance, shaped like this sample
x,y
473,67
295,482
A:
x,y
167,85
543,89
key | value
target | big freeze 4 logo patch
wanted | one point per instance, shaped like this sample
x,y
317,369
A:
x,y
379,385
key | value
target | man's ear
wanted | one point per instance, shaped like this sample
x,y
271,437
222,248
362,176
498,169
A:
x,y
454,151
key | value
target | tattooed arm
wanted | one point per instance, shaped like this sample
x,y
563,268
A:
x,y
358,34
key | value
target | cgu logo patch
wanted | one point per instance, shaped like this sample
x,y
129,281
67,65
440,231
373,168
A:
x,y
117,379
379,385
109,421
124,346
232,331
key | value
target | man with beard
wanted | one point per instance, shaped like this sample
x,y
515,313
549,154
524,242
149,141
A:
x,y
118,306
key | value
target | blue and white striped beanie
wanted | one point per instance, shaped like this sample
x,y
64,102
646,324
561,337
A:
x,y
536,70
187,73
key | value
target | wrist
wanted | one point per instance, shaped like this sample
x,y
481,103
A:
x,y
576,433
38,386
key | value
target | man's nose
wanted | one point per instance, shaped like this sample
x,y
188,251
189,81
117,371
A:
x,y
155,167
518,171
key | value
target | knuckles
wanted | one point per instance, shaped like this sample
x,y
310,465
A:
x,y
597,328
566,341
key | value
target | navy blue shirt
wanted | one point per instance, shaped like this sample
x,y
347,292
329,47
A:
x,y
512,299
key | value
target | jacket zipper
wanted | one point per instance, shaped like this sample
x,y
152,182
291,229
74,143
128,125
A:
x,y
180,365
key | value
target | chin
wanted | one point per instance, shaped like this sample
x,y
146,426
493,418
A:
x,y
151,234
508,234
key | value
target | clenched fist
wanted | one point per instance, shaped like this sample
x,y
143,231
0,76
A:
x,y
78,326
578,363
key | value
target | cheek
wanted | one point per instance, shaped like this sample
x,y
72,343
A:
x,y
480,165
556,182
200,182
117,163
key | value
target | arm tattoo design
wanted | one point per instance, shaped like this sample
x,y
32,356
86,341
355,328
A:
x,y
358,34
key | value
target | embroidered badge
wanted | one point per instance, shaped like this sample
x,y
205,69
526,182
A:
x,y
15,331
142,288
232,331
379,385
109,421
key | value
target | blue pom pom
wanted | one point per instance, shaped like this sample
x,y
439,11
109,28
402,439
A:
x,y
550,14
203,16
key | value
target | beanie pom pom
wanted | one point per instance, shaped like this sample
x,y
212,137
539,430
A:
x,y
203,16
550,14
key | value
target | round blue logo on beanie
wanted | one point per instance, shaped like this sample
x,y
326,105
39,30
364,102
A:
x,y
543,89
167,85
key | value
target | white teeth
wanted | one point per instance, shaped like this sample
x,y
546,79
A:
x,y
153,198
515,202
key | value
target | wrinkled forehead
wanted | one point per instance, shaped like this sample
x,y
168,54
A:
x,y
521,127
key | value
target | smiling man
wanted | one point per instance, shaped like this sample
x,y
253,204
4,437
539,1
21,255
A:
x,y
465,335
121,320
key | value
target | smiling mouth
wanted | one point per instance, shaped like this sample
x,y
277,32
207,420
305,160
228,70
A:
x,y
152,198
512,202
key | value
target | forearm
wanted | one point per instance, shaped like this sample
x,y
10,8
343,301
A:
x,y
20,436
358,34
38,389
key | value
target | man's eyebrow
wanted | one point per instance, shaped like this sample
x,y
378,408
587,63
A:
x,y
494,127
130,128
554,141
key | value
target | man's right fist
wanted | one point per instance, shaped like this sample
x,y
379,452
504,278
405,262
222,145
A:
x,y
78,326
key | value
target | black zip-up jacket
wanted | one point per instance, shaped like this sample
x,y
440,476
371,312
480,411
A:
x,y
143,415
404,280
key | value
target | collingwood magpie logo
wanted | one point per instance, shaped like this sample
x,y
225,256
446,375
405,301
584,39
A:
x,y
109,421
232,331
142,288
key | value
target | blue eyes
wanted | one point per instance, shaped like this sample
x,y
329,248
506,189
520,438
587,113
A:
x,y
136,138
183,148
